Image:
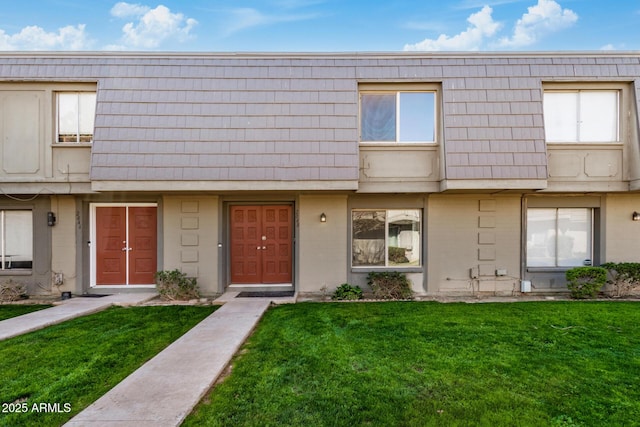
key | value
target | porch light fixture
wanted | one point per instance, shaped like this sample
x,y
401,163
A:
x,y
635,216
323,217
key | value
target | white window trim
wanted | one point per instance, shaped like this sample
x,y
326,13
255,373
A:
x,y
3,243
618,111
386,240
397,93
560,267
57,118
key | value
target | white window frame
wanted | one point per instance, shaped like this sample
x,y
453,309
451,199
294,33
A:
x,y
591,242
397,89
78,133
581,138
386,238
7,259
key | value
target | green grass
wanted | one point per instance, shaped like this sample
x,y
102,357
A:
x,y
422,364
77,361
10,310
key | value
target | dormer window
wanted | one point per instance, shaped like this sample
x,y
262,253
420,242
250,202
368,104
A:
x,y
398,113
76,113
581,116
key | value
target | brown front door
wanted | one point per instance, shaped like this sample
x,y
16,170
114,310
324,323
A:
x,y
261,244
126,252
111,235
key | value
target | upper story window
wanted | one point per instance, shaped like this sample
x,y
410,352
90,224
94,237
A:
x,y
582,116
76,113
406,115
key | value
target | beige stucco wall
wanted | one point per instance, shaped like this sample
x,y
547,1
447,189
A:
x,y
622,235
190,230
478,232
63,244
322,247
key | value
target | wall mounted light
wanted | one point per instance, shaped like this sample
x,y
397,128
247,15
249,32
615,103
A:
x,y
635,216
51,219
323,217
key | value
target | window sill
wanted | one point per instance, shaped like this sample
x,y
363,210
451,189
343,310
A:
x,y
398,144
602,144
71,144
15,272
549,269
389,269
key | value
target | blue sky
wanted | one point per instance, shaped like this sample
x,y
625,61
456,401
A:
x,y
320,25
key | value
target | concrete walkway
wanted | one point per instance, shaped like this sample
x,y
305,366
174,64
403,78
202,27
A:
x,y
164,391
68,309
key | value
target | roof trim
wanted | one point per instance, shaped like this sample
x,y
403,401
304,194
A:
x,y
307,55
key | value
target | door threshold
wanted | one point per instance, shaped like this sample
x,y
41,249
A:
x,y
258,287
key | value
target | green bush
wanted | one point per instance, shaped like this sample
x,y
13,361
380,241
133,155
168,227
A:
x,y
586,282
347,292
389,285
624,277
174,285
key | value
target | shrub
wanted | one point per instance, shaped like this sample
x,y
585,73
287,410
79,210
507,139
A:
x,y
389,285
585,282
624,278
12,291
347,292
174,285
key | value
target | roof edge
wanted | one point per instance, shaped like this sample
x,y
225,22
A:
x,y
293,55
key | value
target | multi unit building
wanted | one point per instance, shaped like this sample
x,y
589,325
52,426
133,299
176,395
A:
x,y
470,172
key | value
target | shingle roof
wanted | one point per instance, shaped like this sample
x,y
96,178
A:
x,y
295,116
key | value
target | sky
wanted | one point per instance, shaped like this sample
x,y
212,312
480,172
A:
x,y
319,25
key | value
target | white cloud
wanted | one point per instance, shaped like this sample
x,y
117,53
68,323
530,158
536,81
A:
x,y
36,38
152,27
545,17
243,18
482,26
124,10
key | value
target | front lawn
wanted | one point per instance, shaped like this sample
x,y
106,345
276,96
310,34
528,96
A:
x,y
8,311
422,363
70,365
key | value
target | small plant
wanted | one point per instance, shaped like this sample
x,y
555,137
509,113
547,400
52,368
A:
x,y
389,285
586,282
12,291
624,278
174,285
347,292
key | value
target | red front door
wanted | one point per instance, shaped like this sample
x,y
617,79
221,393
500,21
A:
x,y
261,244
126,240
